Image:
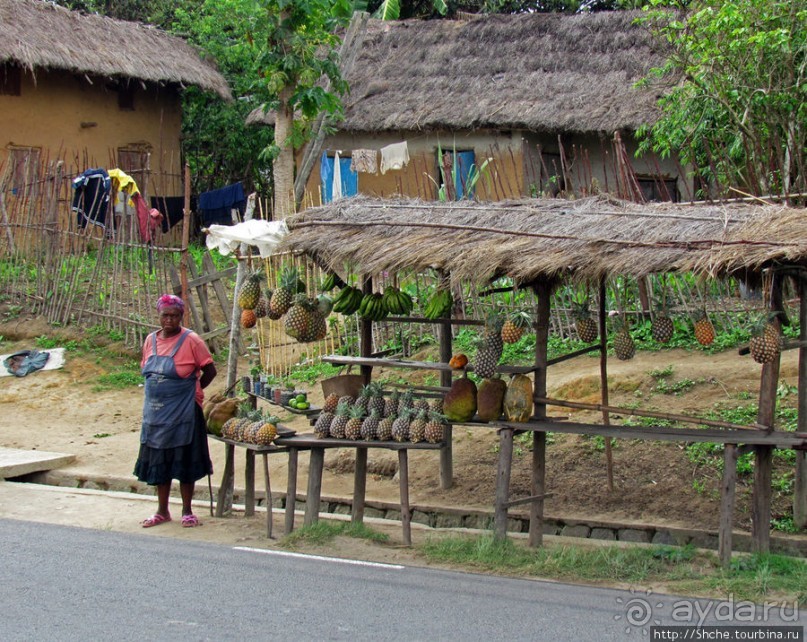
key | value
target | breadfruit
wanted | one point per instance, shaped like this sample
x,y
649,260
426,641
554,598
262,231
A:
x,y
490,399
220,413
211,402
459,403
518,399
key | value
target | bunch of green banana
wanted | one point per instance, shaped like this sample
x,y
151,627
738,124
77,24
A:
x,y
348,300
372,307
397,302
439,305
331,281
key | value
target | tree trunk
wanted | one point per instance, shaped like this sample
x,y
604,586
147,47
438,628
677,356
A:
x,y
283,168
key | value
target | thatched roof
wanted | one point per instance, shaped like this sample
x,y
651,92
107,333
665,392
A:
x,y
37,34
527,239
543,72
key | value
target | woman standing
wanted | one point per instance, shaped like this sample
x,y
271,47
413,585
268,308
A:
x,y
173,441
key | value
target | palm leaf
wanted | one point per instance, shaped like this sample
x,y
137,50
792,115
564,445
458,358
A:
x,y
388,10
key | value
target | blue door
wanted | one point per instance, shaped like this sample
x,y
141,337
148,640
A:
x,y
349,182
463,162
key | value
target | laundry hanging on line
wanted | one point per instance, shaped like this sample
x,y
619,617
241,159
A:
x,y
395,156
216,205
364,161
91,197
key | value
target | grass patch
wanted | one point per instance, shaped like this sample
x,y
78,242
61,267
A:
x,y
323,532
696,572
121,377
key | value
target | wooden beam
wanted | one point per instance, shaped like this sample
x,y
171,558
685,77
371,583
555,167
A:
x,y
249,484
366,334
648,413
314,493
359,486
413,365
224,499
291,491
406,513
573,355
447,451
267,484
529,500
543,292
727,498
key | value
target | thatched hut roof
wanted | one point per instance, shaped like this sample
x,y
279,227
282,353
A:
x,y
36,35
532,238
542,72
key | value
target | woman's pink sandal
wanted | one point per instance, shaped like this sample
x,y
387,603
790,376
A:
x,y
189,521
155,520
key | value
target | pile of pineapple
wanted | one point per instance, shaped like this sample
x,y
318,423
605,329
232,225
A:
x,y
251,427
373,417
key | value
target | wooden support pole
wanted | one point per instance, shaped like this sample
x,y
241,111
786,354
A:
x,y
249,484
727,496
447,450
505,466
291,491
359,485
543,292
800,482
186,230
267,484
403,477
763,455
224,499
314,486
606,418
366,334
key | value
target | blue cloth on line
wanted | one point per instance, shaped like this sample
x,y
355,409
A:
x,y
215,206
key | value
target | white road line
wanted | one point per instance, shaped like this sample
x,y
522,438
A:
x,y
321,558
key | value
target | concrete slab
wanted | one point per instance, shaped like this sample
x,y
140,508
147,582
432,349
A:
x,y
15,462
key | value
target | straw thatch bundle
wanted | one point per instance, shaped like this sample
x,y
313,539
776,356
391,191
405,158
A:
x,y
583,239
36,35
542,72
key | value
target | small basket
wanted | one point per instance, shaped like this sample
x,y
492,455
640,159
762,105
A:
x,y
347,384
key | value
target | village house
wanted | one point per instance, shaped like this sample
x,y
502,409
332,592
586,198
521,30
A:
x,y
94,92
497,106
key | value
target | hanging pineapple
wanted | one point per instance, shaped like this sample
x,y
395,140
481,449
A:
x,y
248,318
490,347
661,327
299,318
585,326
283,296
765,344
250,291
704,330
624,347
515,326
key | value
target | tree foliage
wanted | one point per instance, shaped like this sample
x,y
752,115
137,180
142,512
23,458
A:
x,y
739,112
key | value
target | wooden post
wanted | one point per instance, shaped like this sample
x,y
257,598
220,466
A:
x,y
606,417
268,486
314,486
727,495
186,231
249,484
366,333
291,491
505,466
403,477
359,485
763,455
538,486
224,499
800,482
447,449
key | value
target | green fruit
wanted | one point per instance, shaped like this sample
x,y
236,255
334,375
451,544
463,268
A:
x,y
300,397
292,403
303,405
459,403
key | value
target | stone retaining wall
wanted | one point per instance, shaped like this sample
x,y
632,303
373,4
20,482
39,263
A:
x,y
458,517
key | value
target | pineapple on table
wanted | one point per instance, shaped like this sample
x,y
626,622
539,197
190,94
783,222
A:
x,y
417,429
400,427
331,401
434,429
322,426
339,423
384,431
369,427
354,423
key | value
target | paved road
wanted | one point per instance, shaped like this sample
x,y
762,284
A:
x,y
62,583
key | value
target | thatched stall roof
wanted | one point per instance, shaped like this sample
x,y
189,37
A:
x,y
40,35
545,72
527,239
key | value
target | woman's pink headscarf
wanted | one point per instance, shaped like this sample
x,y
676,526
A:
x,y
170,301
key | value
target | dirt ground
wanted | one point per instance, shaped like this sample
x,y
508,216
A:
x,y
655,482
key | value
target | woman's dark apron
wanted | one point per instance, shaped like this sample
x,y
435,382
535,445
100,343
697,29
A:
x,y
169,408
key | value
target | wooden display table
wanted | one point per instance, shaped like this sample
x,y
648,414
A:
x,y
291,446
314,492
